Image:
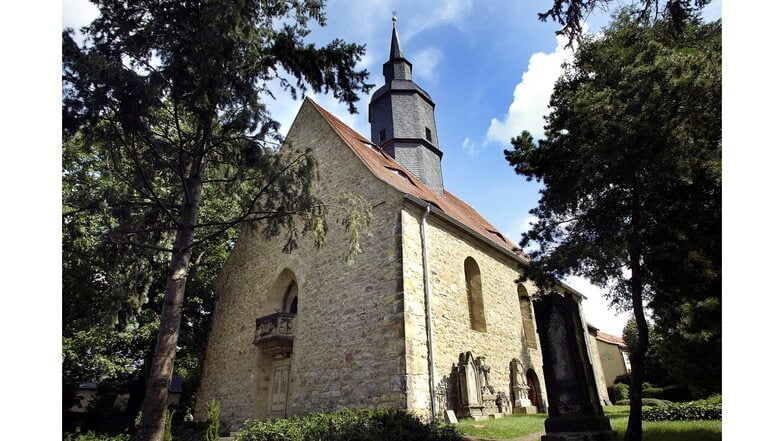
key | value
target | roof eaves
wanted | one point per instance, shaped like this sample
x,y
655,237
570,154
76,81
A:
x,y
440,213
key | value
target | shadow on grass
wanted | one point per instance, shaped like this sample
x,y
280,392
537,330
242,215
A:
x,y
519,426
699,430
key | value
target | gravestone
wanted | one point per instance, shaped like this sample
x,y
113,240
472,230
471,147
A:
x,y
469,388
574,411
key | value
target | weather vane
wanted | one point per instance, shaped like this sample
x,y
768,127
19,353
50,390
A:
x,y
394,17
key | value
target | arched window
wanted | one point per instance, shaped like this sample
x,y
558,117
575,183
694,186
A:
x,y
476,307
290,298
528,317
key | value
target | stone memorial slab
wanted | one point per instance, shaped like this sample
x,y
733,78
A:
x,y
575,411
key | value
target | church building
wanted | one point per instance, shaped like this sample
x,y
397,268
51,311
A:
x,y
429,317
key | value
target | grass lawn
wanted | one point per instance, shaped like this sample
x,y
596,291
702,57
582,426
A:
x,y
521,425
511,426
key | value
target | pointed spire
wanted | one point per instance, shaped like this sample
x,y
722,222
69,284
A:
x,y
397,68
395,51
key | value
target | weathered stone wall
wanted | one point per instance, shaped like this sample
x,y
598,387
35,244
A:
x,y
348,347
612,361
598,370
448,249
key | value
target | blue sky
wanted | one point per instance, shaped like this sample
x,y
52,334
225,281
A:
x,y
489,66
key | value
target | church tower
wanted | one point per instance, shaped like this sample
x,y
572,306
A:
x,y
402,120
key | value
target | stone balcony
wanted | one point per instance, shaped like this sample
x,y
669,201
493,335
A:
x,y
275,333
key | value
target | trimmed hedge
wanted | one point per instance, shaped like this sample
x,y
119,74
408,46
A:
x,y
618,392
678,394
652,402
708,409
349,425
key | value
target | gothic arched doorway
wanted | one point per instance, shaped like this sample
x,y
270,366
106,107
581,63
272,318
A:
x,y
534,392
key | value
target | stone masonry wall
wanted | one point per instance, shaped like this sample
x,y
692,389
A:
x,y
598,371
448,249
348,347
612,362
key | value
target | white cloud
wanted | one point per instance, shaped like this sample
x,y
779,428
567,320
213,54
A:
x,y
469,146
426,15
426,64
78,13
531,96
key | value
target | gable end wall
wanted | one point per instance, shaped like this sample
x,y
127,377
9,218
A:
x,y
348,345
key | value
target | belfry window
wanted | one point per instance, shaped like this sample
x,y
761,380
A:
x,y
476,307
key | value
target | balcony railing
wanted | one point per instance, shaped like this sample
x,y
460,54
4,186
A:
x,y
275,332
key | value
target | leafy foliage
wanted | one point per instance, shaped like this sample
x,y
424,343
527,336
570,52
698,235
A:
x,y
163,109
212,432
571,13
707,409
653,402
91,436
631,167
678,394
349,425
618,392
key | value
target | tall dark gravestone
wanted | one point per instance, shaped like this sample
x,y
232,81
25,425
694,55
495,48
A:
x,y
574,411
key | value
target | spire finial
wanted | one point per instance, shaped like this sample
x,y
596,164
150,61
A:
x,y
395,51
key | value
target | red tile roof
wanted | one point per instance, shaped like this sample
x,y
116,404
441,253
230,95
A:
x,y
394,174
611,339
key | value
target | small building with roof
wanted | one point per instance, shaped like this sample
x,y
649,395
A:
x,y
613,356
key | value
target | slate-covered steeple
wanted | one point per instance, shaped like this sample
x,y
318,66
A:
x,y
402,119
397,68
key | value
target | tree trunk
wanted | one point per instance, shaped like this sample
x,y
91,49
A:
x,y
156,397
634,425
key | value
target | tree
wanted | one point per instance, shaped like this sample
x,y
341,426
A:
x,y
631,167
168,95
571,13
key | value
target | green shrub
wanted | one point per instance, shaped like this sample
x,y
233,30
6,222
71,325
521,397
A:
x,y
91,436
678,394
212,432
189,431
652,392
349,425
708,409
618,392
167,425
625,379
651,402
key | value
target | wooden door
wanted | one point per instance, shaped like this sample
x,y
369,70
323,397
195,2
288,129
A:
x,y
279,386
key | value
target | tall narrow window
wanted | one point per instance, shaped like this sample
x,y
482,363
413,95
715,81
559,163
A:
x,y
528,317
382,135
476,307
290,298
428,134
